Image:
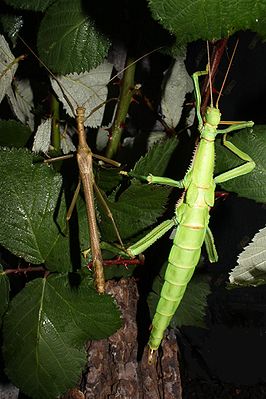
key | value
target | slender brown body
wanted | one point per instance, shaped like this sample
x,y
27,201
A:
x,y
84,159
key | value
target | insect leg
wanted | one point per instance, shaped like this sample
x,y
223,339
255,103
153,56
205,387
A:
x,y
247,167
151,237
195,78
73,202
210,246
156,179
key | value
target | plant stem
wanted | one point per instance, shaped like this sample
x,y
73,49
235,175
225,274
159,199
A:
x,y
55,123
24,270
119,261
126,93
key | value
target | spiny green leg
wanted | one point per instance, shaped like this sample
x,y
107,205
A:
x,y
156,179
163,227
210,246
166,181
156,233
144,243
114,249
236,126
195,78
247,167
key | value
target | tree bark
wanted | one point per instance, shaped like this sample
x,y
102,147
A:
x,y
113,368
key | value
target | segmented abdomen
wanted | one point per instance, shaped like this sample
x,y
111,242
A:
x,y
183,259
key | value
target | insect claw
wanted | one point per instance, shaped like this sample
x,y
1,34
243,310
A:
x,y
151,359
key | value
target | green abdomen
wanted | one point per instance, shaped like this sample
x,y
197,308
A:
x,y
183,259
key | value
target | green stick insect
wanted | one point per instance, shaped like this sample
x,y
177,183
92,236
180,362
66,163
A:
x,y
191,213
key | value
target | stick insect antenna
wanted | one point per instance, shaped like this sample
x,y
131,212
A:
x,y
60,85
137,60
54,77
228,69
210,72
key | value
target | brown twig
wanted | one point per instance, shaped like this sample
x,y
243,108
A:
x,y
119,261
25,270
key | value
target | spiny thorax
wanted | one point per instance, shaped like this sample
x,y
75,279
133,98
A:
x,y
203,163
212,119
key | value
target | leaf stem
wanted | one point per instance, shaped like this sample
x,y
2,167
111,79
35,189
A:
x,y
126,93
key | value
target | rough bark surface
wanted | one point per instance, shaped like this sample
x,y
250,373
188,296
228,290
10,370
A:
x,y
113,368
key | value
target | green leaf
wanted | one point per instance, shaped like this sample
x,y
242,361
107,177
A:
x,y
137,208
107,178
8,67
60,257
68,40
20,98
88,89
191,311
30,223
33,214
42,137
253,142
45,330
157,159
176,84
4,292
33,5
14,134
208,19
140,205
251,268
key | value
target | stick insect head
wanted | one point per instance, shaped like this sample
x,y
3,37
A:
x,y
212,116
